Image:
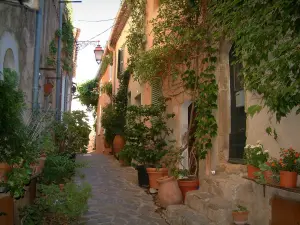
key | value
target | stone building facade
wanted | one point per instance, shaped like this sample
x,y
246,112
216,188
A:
x,y
222,174
17,44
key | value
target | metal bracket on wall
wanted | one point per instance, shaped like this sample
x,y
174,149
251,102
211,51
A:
x,y
49,69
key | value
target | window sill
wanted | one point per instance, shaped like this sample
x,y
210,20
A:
x,y
236,161
293,190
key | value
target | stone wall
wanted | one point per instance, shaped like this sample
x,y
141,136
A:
x,y
17,34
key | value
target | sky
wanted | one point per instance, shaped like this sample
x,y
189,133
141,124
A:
x,y
91,10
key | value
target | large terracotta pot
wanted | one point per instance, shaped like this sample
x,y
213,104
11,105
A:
x,y
288,179
240,218
251,171
4,168
118,143
187,185
168,192
154,174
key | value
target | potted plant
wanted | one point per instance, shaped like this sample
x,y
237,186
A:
x,y
4,169
48,88
240,215
269,172
147,135
288,167
254,156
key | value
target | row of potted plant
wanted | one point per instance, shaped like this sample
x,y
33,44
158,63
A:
x,y
266,169
150,149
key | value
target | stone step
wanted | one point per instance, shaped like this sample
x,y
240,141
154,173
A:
x,y
218,210
230,187
183,215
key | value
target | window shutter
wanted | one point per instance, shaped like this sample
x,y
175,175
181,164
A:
x,y
120,62
156,91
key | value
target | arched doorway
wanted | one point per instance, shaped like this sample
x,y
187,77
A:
x,y
9,60
237,136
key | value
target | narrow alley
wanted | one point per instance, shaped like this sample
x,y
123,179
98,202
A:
x,y
116,199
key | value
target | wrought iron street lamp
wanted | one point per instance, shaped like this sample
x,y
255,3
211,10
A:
x,y
98,49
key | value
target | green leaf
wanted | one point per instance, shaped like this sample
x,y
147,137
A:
x,y
252,110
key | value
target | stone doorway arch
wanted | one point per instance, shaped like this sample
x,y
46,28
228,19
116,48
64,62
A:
x,y
9,53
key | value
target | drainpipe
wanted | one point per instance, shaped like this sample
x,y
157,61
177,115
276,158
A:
x,y
38,34
58,69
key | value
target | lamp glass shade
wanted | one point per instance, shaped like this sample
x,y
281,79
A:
x,y
98,53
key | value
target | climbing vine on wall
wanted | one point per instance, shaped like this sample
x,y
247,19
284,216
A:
x,y
68,45
136,38
267,39
67,37
184,52
107,60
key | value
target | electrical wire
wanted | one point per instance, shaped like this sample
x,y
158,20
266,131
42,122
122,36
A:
x,y
101,33
93,21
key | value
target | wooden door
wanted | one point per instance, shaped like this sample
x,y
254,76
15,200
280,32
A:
x,y
285,211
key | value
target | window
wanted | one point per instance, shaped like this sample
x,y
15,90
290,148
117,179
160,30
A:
x,y
129,98
120,62
138,99
237,136
99,120
156,93
110,72
100,88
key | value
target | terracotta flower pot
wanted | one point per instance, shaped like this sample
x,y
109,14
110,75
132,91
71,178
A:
x,y
268,175
187,185
288,179
240,218
118,143
155,174
48,88
251,171
41,164
61,187
169,192
4,168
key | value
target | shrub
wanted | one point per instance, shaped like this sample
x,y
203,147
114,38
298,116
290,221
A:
x,y
58,169
58,207
72,133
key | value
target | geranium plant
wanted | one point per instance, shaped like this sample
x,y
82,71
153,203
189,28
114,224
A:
x,y
288,160
255,155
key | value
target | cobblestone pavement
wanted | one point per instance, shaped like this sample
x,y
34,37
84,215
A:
x,y
117,199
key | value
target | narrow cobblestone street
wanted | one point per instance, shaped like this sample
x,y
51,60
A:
x,y
117,199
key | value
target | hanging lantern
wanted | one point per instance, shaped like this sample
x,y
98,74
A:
x,y
48,88
98,53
